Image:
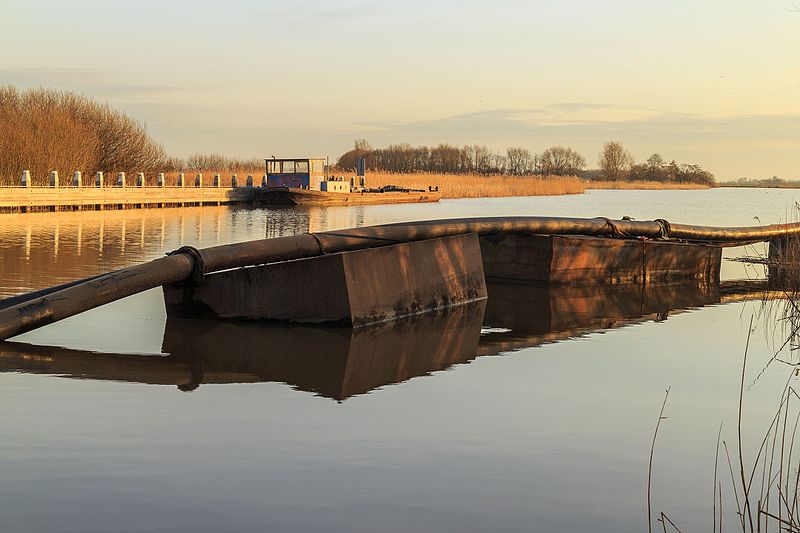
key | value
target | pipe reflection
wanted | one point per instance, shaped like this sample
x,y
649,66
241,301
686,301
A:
x,y
339,363
43,249
525,316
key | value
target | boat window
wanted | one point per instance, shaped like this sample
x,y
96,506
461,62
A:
x,y
273,167
302,166
319,166
288,167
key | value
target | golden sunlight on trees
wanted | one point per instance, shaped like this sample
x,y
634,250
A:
x,y
615,161
45,129
468,159
560,161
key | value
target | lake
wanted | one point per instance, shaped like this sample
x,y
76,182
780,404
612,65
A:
x,y
533,411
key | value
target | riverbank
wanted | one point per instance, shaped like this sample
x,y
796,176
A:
x,y
451,186
644,185
762,185
477,186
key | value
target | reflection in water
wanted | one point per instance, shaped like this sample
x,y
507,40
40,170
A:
x,y
554,439
332,362
44,249
340,362
528,316
40,251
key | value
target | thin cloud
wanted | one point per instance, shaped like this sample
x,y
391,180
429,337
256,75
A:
x,y
102,81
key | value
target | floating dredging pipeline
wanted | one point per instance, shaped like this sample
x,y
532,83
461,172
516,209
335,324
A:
x,y
373,274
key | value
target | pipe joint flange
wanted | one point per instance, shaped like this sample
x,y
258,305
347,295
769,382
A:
x,y
665,228
198,264
322,250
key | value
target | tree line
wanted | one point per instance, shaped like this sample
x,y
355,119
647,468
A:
x,y
615,163
46,129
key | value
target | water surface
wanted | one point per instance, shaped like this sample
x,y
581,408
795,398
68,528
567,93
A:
x,y
530,412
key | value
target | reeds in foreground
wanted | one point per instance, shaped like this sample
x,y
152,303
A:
x,y
764,490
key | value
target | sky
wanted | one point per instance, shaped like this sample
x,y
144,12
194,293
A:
x,y
711,82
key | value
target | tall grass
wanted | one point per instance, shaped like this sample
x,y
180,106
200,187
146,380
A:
x,y
644,185
477,186
45,129
764,489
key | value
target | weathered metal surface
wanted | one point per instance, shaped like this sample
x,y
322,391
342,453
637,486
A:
x,y
783,259
724,236
581,260
664,261
61,304
784,249
295,196
357,288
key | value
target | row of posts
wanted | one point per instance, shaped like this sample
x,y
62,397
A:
x,y
77,180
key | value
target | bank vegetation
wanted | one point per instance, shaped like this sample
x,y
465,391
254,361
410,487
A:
x,y
46,129
615,164
478,186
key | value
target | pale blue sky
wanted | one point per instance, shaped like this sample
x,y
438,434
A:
x,y
712,82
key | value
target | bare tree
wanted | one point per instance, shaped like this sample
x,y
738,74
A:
x,y
362,144
615,161
45,129
560,161
519,161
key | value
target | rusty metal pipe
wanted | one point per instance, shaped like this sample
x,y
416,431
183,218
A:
x,y
22,298
634,228
69,301
98,291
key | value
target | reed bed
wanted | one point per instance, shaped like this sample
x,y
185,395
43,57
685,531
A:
x,y
477,186
644,185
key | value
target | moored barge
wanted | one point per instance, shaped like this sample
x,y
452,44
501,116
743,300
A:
x,y
306,181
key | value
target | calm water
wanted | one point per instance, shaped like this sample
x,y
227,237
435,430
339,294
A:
x,y
530,412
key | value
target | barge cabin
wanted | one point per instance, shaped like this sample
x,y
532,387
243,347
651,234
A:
x,y
305,173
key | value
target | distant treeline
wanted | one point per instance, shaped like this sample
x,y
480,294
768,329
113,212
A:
x,y
615,162
774,182
469,159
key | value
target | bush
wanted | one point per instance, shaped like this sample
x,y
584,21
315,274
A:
x,y
46,129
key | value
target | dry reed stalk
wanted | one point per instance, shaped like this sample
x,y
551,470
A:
x,y
478,186
650,464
